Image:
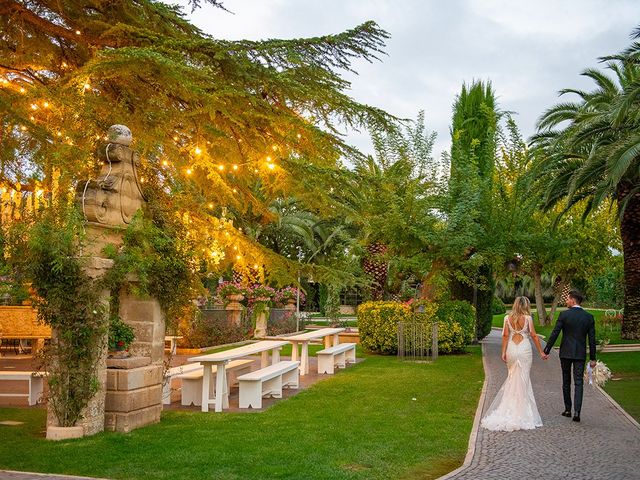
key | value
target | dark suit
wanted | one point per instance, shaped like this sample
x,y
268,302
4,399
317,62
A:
x,y
576,325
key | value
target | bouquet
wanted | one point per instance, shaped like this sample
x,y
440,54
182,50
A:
x,y
599,374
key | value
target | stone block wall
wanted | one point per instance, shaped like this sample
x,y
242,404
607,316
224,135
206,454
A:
x,y
134,393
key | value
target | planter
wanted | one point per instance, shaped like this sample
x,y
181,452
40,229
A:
x,y
235,298
64,433
262,299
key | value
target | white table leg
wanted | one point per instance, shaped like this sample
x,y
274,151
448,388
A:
x,y
264,361
304,363
327,341
336,339
206,381
294,351
221,376
225,391
275,355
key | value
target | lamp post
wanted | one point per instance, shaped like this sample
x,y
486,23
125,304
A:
x,y
298,292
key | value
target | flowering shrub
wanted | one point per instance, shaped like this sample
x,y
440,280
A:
x,y
260,291
288,293
378,325
451,338
229,288
460,312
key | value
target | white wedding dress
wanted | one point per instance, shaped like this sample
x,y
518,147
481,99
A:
x,y
514,407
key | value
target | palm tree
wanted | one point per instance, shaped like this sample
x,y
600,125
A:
x,y
591,155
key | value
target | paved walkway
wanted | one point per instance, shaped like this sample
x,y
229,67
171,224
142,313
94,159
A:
x,y
604,445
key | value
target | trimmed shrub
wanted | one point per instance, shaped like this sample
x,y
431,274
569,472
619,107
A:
x,y
460,312
378,325
451,338
498,307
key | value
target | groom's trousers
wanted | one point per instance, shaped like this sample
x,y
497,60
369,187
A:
x,y
577,366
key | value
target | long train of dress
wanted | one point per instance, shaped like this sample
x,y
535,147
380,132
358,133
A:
x,y
514,407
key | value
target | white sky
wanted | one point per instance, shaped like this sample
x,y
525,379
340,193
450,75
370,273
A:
x,y
528,49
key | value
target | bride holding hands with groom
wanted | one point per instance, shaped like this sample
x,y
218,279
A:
x,y
514,406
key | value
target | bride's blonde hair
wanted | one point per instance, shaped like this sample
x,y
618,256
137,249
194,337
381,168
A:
x,y
521,307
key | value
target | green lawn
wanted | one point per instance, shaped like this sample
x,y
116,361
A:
x,y
624,386
379,419
613,334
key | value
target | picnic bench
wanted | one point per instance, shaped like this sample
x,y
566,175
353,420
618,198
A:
x,y
34,380
329,336
221,359
268,381
336,356
191,393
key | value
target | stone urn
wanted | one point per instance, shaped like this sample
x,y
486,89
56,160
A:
x,y
234,308
291,304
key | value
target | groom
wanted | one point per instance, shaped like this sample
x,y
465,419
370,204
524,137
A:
x,y
575,325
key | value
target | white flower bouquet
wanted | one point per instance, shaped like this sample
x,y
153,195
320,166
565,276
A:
x,y
599,374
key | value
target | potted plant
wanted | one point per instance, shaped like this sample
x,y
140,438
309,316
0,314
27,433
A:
x,y
261,293
231,291
121,336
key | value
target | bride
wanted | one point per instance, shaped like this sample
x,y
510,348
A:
x,y
514,407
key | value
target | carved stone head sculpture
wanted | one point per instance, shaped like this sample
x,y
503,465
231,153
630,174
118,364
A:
x,y
114,197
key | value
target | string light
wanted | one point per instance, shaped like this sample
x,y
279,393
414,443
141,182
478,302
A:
x,y
23,128
22,90
235,191
59,133
198,151
86,86
271,166
221,167
34,106
189,171
299,136
164,163
235,167
32,118
274,148
5,81
255,170
268,159
78,32
238,257
255,266
211,205
46,104
175,138
64,65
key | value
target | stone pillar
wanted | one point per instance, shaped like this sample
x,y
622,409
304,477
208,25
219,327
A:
x,y
234,309
260,330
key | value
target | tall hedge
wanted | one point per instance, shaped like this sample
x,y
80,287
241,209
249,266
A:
x,y
460,312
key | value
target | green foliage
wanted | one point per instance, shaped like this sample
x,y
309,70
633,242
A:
x,y
207,330
451,338
121,335
498,307
606,289
157,255
332,304
457,312
67,300
378,325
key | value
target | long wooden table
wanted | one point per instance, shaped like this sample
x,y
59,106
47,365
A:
x,y
220,359
330,336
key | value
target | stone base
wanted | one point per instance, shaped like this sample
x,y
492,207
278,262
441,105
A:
x,y
134,394
125,422
64,433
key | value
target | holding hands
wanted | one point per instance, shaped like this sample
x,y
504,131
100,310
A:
x,y
544,356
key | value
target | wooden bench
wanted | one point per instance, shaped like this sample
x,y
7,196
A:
x,y
338,355
192,380
35,382
267,381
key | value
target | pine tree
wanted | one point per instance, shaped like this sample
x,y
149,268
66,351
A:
x,y
213,120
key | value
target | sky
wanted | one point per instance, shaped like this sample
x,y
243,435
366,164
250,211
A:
x,y
528,49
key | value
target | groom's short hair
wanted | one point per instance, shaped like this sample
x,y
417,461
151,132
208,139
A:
x,y
577,296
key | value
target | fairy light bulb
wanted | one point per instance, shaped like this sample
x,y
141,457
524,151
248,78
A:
x,y
255,266
22,90
198,150
59,133
64,65
23,128
34,106
78,32
268,159
255,170
211,205
175,138
299,136
274,148
235,190
189,171
32,118
235,167
221,167
86,85
165,163
271,166
238,257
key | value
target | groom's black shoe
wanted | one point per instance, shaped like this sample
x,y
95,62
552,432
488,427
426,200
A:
x,y
576,417
566,413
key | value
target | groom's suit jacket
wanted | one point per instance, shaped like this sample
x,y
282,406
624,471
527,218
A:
x,y
575,324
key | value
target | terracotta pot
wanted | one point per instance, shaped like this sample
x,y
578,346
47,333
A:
x,y
235,298
262,299
64,433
